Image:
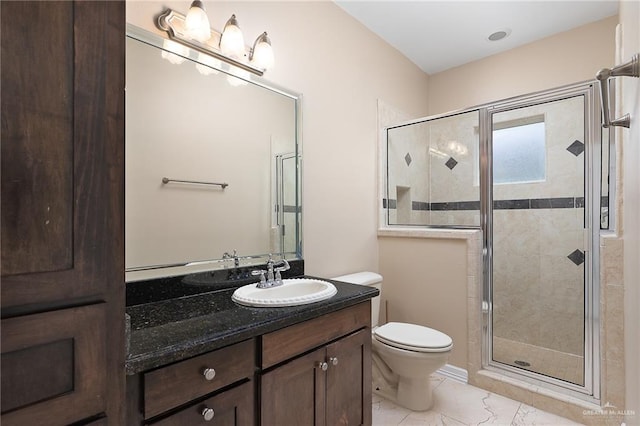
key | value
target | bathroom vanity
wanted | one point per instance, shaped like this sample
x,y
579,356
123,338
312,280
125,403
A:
x,y
203,359
194,356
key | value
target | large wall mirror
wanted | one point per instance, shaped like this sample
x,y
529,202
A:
x,y
192,124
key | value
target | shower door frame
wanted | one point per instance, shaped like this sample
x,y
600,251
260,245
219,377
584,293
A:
x,y
590,391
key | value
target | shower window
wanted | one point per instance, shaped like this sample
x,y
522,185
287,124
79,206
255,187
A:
x,y
519,152
430,172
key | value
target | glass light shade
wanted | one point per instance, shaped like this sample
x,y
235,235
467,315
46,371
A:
x,y
263,53
196,24
168,47
232,40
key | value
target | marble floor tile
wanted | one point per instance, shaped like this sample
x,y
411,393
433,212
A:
x,y
528,415
471,405
458,404
429,418
386,413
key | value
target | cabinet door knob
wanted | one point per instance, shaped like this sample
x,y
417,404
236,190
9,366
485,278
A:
x,y
334,360
209,373
208,413
322,365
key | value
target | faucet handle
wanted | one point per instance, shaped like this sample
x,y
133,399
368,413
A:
x,y
263,280
285,266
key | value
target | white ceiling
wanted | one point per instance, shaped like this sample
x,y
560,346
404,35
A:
x,y
438,35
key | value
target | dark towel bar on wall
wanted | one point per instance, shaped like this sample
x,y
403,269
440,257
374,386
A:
x,y
167,180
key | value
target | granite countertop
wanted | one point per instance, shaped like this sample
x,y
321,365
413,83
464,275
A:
x,y
169,330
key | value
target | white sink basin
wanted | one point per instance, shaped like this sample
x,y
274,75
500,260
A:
x,y
293,292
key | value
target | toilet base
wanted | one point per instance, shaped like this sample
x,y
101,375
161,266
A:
x,y
415,394
411,393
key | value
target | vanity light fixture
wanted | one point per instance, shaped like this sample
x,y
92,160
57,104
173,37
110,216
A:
x,y
227,46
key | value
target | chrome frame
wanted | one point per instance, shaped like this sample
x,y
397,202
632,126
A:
x,y
591,389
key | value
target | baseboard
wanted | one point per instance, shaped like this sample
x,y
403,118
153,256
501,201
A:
x,y
455,373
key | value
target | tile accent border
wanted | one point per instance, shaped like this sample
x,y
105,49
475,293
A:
x,y
520,204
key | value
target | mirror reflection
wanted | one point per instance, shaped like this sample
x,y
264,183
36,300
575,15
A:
x,y
212,164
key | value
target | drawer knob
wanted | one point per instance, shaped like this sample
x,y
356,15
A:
x,y
334,360
208,413
322,365
209,373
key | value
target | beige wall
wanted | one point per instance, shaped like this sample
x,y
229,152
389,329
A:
x,y
341,69
565,58
422,286
630,44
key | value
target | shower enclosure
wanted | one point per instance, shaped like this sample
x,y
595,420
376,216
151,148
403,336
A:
x,y
529,172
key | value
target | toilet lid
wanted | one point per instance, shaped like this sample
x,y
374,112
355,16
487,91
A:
x,y
413,337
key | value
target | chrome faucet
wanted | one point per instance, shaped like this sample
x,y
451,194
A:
x,y
236,259
273,278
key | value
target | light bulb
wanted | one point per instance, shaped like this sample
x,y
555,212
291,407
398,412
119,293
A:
x,y
232,41
262,56
196,24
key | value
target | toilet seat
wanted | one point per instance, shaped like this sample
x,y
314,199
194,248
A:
x,y
412,337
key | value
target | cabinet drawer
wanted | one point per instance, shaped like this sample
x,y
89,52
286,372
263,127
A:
x,y
288,342
171,386
53,366
233,407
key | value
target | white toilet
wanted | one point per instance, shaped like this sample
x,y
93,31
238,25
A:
x,y
404,355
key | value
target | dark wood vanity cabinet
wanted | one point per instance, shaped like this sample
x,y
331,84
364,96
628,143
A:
x,y
330,385
317,372
324,387
214,388
62,222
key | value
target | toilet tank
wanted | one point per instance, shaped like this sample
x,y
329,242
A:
x,y
371,279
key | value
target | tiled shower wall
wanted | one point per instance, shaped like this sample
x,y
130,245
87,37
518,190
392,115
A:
x,y
432,172
538,267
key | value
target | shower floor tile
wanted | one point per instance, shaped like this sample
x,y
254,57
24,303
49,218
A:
x,y
459,404
564,366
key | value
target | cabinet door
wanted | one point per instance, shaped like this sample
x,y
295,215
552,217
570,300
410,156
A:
x,y
349,380
294,394
233,407
52,366
62,152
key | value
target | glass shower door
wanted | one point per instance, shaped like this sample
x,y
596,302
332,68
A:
x,y
539,256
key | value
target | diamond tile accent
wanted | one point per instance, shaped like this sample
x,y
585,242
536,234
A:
x,y
576,148
407,158
451,163
577,257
